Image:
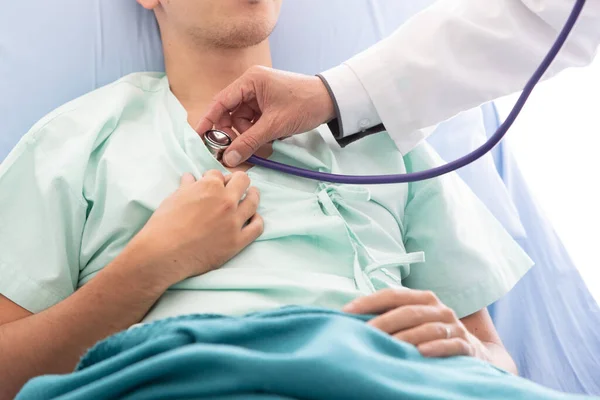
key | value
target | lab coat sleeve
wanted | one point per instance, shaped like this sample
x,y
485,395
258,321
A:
x,y
453,56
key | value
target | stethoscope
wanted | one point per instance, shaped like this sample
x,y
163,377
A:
x,y
218,141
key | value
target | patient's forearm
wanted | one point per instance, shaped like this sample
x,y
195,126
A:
x,y
52,341
500,357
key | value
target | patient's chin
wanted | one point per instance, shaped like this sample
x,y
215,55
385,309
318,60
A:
x,y
241,36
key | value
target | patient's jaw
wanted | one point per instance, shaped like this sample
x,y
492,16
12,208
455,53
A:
x,y
209,43
230,24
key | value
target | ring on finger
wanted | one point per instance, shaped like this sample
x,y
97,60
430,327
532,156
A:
x,y
448,332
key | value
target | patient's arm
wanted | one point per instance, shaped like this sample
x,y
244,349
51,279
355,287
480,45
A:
x,y
52,341
10,312
179,241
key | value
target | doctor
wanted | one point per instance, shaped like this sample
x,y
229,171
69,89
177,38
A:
x,y
455,55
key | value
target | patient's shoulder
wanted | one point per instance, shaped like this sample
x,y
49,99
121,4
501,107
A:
x,y
66,137
103,104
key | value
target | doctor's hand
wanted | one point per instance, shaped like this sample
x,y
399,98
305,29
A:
x,y
202,225
265,105
419,318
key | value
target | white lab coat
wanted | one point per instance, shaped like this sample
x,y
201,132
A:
x,y
453,56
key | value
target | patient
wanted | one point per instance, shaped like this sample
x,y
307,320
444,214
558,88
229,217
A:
x,y
83,254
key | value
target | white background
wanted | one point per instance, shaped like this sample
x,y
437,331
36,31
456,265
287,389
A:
x,y
556,142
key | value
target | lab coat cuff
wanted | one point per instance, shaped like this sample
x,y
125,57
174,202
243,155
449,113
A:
x,y
388,94
356,113
337,130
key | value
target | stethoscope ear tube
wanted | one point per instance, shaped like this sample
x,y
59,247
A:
x,y
454,165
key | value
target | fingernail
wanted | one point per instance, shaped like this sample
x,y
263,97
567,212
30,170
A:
x,y
424,350
232,158
350,308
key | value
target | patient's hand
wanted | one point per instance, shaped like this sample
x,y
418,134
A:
x,y
201,226
421,319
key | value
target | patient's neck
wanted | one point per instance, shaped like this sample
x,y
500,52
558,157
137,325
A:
x,y
197,74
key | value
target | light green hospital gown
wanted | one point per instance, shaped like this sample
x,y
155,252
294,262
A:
x,y
87,177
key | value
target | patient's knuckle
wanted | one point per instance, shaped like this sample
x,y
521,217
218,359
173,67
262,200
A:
x,y
253,197
228,204
212,177
440,330
461,346
447,313
461,332
430,297
413,313
242,177
260,224
255,192
210,186
212,173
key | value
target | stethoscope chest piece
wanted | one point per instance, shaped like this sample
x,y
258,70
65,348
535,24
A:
x,y
217,142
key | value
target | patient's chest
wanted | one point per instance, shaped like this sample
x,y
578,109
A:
x,y
310,227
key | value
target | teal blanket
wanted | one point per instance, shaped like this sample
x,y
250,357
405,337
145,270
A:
x,y
291,353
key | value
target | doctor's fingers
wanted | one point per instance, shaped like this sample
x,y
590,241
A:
x,y
248,143
287,104
242,90
408,317
244,117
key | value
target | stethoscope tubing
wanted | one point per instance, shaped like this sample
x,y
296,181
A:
x,y
454,165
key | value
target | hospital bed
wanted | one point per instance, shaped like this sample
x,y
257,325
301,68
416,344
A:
x,y
52,52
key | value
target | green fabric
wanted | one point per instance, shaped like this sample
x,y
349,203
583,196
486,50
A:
x,y
295,353
87,177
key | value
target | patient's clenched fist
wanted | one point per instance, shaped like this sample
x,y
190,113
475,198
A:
x,y
203,224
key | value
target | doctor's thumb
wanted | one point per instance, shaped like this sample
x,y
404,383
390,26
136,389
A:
x,y
248,143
